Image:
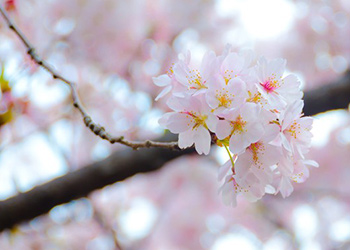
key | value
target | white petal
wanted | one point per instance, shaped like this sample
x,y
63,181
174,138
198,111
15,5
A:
x,y
212,122
211,99
292,113
162,80
181,70
228,194
285,142
271,132
250,111
165,91
163,121
276,101
208,64
238,143
224,169
243,164
285,187
236,86
178,123
270,189
223,129
186,139
255,132
311,163
202,140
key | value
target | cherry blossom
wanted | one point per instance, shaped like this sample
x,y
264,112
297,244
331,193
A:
x,y
278,90
224,94
253,111
242,126
192,119
195,80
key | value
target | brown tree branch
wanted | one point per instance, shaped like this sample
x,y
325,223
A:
x,y
335,95
97,129
80,183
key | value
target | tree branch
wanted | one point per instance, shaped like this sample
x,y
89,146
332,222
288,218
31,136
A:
x,y
80,183
97,129
331,96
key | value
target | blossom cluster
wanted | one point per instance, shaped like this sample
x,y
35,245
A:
x,y
249,107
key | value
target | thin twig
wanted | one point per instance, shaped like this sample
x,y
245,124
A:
x,y
98,216
97,129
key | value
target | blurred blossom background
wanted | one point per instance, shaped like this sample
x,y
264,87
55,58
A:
x,y
112,49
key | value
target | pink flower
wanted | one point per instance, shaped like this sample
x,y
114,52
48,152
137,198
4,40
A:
x,y
236,65
193,79
169,83
223,94
291,168
163,81
242,126
254,112
295,130
231,188
258,160
192,120
278,90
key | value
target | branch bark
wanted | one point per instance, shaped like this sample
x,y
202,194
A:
x,y
331,96
80,183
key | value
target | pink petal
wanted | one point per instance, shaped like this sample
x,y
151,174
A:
x,y
224,169
212,122
238,143
178,123
223,129
254,132
163,121
202,140
186,139
285,187
162,80
163,92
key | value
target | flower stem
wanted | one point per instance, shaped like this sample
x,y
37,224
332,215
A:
x,y
229,154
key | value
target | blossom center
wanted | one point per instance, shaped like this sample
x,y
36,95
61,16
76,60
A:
x,y
195,80
170,72
294,129
239,125
256,98
255,148
224,98
198,120
228,75
271,84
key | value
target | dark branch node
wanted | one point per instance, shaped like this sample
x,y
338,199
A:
x,y
87,121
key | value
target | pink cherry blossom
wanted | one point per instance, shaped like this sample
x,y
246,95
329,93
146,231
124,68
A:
x,y
192,120
278,90
295,130
195,80
242,126
223,95
252,110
